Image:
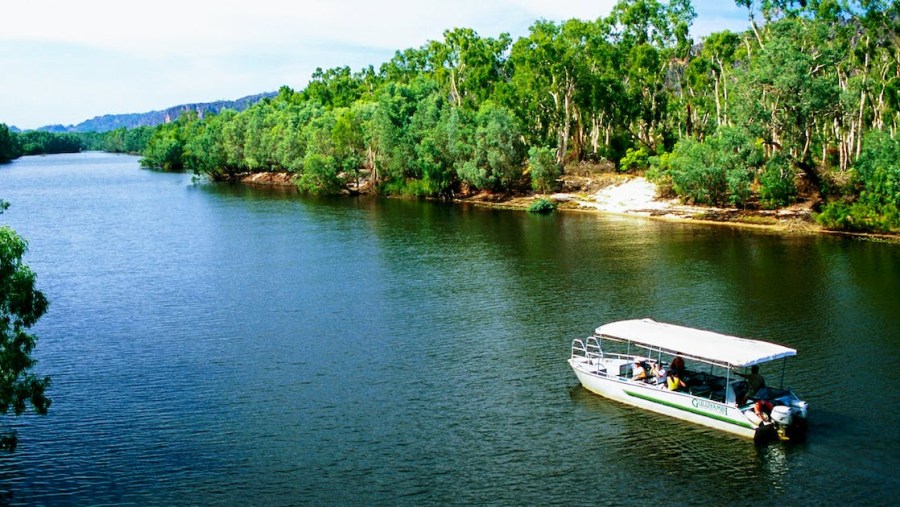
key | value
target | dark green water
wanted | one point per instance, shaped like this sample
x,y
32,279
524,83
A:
x,y
222,345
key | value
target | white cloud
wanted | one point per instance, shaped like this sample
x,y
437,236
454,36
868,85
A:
x,y
164,27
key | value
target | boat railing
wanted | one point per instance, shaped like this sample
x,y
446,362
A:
x,y
589,352
592,347
578,348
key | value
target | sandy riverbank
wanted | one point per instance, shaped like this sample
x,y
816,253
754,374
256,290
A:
x,y
637,196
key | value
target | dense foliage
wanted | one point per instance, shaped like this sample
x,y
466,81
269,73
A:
x,y
9,144
44,143
38,142
21,305
874,203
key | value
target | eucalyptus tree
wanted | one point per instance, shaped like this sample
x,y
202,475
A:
x,y
398,125
348,142
655,37
336,87
434,127
259,141
708,78
497,155
601,116
874,203
868,77
469,66
321,168
405,66
789,90
207,150
165,148
547,64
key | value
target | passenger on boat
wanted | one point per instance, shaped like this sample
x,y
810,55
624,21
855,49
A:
x,y
763,409
755,382
638,372
677,365
674,381
658,374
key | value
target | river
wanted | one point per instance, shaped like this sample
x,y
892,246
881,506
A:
x,y
218,344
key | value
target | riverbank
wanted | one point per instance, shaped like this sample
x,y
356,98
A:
x,y
628,195
636,196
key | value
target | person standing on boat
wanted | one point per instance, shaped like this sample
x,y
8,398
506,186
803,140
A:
x,y
755,381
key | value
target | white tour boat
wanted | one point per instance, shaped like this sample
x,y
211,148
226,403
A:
x,y
718,396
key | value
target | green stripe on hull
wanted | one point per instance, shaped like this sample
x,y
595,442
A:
x,y
689,409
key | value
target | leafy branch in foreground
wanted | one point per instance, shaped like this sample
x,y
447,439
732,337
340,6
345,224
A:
x,y
21,305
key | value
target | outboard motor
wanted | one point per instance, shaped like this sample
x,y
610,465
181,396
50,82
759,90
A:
x,y
799,407
781,415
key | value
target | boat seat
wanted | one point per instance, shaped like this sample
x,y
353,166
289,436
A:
x,y
700,390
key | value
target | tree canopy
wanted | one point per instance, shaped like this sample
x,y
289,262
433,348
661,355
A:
x,y
21,305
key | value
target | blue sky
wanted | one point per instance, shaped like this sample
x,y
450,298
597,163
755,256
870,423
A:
x,y
66,62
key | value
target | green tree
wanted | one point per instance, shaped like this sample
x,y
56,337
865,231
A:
x,y
788,94
401,119
206,150
717,171
497,155
543,168
708,77
876,203
468,66
337,87
548,64
165,149
9,145
21,305
38,142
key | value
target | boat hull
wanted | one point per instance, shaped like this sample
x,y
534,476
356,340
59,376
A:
x,y
675,404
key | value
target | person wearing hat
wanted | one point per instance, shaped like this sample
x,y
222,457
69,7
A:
x,y
638,372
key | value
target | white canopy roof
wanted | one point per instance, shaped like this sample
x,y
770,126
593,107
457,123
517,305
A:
x,y
707,345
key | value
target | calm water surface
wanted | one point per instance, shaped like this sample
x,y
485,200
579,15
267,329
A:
x,y
212,344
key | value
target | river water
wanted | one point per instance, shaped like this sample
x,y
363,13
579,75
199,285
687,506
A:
x,y
216,344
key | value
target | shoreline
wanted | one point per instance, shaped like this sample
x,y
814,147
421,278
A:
x,y
635,196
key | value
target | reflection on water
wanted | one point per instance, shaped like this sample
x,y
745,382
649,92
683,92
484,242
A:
x,y
216,344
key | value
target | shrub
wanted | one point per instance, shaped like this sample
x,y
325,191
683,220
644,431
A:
x,y
777,186
635,159
320,175
877,178
858,217
717,171
542,206
544,169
